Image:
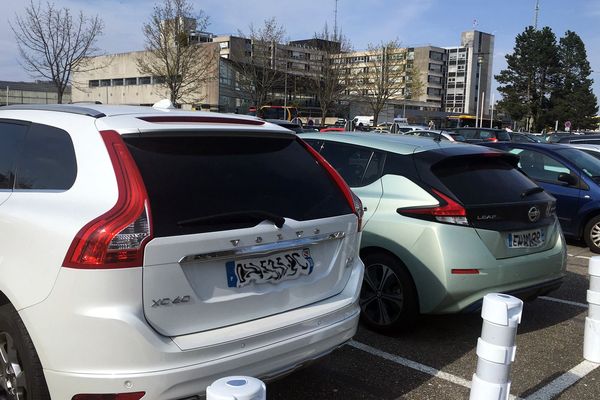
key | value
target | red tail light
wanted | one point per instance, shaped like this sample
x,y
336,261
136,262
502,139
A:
x,y
451,212
117,238
352,199
112,396
492,139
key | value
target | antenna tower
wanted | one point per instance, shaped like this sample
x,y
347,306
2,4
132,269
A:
x,y
335,31
537,11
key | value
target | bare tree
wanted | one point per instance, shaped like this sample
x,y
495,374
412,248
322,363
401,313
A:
x,y
182,67
53,43
334,78
381,76
257,72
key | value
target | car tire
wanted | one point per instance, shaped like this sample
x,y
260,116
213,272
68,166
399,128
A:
x,y
21,372
388,298
591,234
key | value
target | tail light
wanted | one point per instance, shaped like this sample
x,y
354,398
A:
x,y
492,139
116,239
112,396
451,212
352,199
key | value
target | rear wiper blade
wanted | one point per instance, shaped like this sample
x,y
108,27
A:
x,y
236,216
531,191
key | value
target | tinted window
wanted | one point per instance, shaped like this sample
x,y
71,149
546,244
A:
x,y
199,177
11,140
482,180
48,160
540,166
354,162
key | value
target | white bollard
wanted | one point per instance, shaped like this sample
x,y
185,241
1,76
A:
x,y
496,348
237,388
591,335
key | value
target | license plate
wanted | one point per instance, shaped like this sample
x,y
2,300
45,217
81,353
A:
x,y
271,269
524,239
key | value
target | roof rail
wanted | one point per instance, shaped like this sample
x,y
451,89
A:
x,y
67,108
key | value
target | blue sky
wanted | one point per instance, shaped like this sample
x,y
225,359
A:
x,y
412,22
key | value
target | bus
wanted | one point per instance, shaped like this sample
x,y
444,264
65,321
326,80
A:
x,y
277,112
458,121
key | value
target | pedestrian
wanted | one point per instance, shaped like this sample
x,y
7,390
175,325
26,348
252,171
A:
x,y
431,124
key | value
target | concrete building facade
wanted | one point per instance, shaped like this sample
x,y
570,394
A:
x,y
449,75
31,93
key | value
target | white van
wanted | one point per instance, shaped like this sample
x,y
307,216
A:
x,y
365,120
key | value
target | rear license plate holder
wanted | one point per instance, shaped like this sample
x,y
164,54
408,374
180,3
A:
x,y
269,269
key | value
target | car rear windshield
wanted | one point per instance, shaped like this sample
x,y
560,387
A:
x,y
483,180
197,177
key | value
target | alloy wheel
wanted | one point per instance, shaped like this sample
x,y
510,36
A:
x,y
12,376
595,235
382,297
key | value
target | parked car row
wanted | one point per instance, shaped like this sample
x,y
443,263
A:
x,y
197,245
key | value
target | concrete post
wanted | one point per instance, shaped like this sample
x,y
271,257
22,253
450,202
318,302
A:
x,y
591,336
237,388
496,348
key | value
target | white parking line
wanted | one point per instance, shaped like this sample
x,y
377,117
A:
x,y
564,381
574,256
415,365
571,303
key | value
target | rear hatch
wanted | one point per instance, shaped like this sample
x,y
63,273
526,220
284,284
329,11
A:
x,y
245,224
511,214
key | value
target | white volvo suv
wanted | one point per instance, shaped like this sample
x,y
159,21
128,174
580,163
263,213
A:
x,y
145,253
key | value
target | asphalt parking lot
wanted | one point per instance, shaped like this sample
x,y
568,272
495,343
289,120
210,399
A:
x,y
437,359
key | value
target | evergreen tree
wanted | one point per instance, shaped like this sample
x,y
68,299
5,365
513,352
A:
x,y
532,74
574,99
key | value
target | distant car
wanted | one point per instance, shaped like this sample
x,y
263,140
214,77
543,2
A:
x,y
444,225
478,135
573,177
442,135
591,149
519,137
333,129
589,139
292,126
403,128
554,137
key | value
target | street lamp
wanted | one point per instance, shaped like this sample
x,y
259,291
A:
x,y
478,117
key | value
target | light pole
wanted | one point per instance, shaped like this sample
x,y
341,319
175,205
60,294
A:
x,y
478,116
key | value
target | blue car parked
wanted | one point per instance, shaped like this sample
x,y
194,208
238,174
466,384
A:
x,y
570,175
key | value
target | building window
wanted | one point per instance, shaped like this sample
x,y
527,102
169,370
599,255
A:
x,y
158,80
105,82
145,80
130,81
94,83
437,56
117,82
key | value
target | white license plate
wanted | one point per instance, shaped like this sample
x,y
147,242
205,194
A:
x,y
273,269
525,239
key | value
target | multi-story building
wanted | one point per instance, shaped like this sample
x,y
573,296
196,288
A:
x,y
450,77
469,73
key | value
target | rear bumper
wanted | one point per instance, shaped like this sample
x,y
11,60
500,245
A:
x,y
92,337
527,293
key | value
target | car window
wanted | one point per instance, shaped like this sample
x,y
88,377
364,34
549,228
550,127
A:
x,y
585,162
48,160
11,140
540,166
482,180
198,176
503,135
353,162
468,133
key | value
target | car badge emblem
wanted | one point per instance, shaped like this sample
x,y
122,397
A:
x,y
533,214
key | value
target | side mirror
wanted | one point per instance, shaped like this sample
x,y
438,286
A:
x,y
568,179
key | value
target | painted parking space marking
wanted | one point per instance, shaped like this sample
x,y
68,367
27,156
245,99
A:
x,y
415,365
571,303
583,257
564,381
